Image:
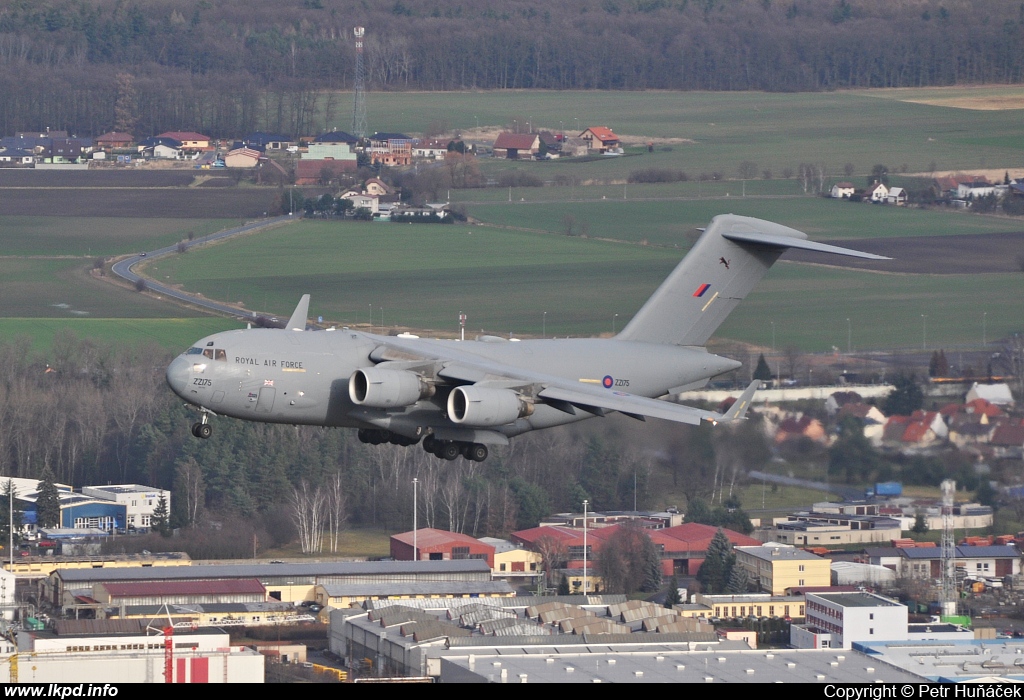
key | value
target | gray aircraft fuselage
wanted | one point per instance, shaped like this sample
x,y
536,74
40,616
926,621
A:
x,y
287,376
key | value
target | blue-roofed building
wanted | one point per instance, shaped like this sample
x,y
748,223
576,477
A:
x,y
79,511
337,137
262,141
926,562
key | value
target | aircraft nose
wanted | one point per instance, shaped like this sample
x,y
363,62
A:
x,y
178,375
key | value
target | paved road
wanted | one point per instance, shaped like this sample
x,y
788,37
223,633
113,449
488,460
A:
x,y
123,268
847,492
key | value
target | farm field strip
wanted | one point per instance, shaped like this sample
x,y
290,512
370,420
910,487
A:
x,y
171,334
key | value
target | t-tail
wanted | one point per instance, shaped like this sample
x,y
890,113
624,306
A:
x,y
728,260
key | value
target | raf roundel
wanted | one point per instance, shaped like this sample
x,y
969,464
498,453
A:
x,y
608,382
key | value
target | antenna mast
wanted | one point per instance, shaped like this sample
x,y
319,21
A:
x,y
359,107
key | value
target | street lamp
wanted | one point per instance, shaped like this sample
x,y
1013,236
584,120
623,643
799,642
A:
x,y
849,335
773,335
544,326
984,328
924,331
415,542
477,121
585,503
614,318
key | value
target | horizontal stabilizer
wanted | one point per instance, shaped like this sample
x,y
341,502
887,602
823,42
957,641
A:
x,y
738,410
803,244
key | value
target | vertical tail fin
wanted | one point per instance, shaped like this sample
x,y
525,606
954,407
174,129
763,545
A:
x,y
725,264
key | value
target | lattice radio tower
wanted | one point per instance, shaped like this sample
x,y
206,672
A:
x,y
948,549
359,107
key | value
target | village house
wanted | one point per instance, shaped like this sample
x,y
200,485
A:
x,y
391,149
16,157
992,393
433,149
842,190
876,193
601,139
242,158
114,139
516,146
896,196
191,142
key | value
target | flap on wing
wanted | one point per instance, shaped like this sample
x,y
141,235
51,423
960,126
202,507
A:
x,y
629,404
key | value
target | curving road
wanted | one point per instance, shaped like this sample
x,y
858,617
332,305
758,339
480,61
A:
x,y
123,268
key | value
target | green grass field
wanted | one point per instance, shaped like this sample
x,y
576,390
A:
x,y
673,223
87,237
775,131
506,279
63,288
423,276
173,334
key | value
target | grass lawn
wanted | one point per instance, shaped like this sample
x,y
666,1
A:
x,y
64,288
723,129
358,542
173,334
424,275
85,236
674,223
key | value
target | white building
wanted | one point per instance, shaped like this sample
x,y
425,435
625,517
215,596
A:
x,y
837,620
124,653
139,501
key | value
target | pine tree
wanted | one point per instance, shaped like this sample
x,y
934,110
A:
x,y
739,581
5,518
762,371
47,501
563,586
160,522
672,598
718,564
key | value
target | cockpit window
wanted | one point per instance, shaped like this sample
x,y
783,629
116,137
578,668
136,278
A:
x,y
220,355
208,352
194,351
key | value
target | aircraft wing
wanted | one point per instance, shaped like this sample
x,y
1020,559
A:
x,y
558,392
640,406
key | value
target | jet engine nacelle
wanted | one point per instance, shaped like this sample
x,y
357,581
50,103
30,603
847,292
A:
x,y
481,407
387,388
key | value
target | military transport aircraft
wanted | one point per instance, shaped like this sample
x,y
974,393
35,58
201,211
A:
x,y
458,398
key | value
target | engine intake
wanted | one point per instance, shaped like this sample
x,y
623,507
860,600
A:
x,y
387,388
481,407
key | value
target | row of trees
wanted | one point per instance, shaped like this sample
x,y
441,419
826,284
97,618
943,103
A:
x,y
232,66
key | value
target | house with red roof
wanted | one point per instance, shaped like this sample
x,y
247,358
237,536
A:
x,y
600,139
430,544
682,548
114,139
920,429
516,146
805,426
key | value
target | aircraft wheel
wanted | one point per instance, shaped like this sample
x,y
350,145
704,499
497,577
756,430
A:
x,y
476,452
431,445
195,429
449,450
363,436
202,430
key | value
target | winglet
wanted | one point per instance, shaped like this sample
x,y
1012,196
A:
x,y
738,410
298,320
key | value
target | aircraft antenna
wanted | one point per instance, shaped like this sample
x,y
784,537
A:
x,y
359,106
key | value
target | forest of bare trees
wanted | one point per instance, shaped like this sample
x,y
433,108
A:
x,y
229,67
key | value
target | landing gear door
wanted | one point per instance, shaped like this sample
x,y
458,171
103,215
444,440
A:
x,y
265,403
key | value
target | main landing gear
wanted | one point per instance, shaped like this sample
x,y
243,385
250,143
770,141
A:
x,y
444,449
451,449
202,429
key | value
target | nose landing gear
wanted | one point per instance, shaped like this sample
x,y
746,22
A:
x,y
203,429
